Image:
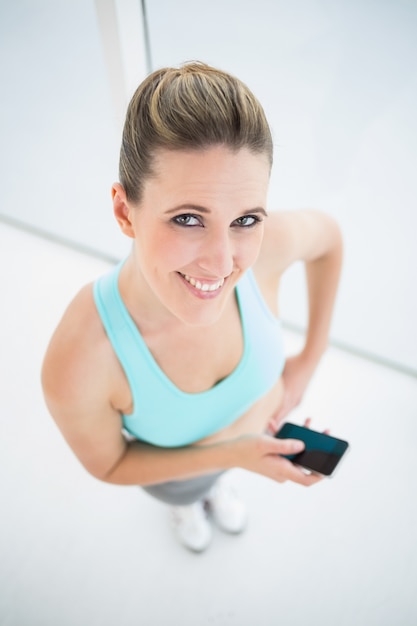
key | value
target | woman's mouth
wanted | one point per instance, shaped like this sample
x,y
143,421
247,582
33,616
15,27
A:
x,y
203,286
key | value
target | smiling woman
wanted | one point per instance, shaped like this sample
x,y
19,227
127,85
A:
x,y
171,369
213,243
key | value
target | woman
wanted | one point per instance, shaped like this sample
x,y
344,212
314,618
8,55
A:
x,y
170,370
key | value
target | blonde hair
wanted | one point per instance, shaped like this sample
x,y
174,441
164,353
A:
x,y
188,108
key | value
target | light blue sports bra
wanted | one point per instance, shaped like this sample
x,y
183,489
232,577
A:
x,y
165,416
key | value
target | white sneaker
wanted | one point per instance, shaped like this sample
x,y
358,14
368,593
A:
x,y
192,526
227,510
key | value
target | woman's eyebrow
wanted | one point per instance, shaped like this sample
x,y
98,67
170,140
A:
x,y
202,209
188,208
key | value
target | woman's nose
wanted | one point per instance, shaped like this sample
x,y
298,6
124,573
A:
x,y
216,254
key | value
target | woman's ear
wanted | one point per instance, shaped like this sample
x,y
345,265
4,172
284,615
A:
x,y
121,210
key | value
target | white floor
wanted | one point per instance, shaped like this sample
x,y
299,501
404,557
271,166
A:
x,y
76,552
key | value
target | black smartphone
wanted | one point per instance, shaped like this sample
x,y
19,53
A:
x,y
322,452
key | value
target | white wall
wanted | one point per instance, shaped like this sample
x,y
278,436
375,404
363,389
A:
x,y
61,113
338,82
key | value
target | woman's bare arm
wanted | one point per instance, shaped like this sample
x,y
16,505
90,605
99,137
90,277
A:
x,y
315,239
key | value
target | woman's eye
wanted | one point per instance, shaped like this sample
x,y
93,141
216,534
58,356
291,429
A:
x,y
187,220
247,220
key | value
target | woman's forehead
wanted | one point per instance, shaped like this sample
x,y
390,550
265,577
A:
x,y
208,178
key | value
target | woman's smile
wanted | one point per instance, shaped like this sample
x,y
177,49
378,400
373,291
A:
x,y
203,286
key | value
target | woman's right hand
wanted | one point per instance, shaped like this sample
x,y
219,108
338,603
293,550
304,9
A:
x,y
263,455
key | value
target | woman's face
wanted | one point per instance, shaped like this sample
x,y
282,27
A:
x,y
198,228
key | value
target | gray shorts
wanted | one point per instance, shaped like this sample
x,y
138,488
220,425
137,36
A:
x,y
183,492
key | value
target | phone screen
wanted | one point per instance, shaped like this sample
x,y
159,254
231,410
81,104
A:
x,y
322,452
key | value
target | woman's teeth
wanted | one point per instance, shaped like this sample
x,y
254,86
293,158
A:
x,y
203,286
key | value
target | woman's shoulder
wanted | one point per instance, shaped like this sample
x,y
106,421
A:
x,y
295,235
74,358
277,249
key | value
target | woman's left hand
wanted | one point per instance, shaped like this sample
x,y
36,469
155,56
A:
x,y
296,376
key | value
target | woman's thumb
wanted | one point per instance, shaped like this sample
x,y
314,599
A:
x,y
288,446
